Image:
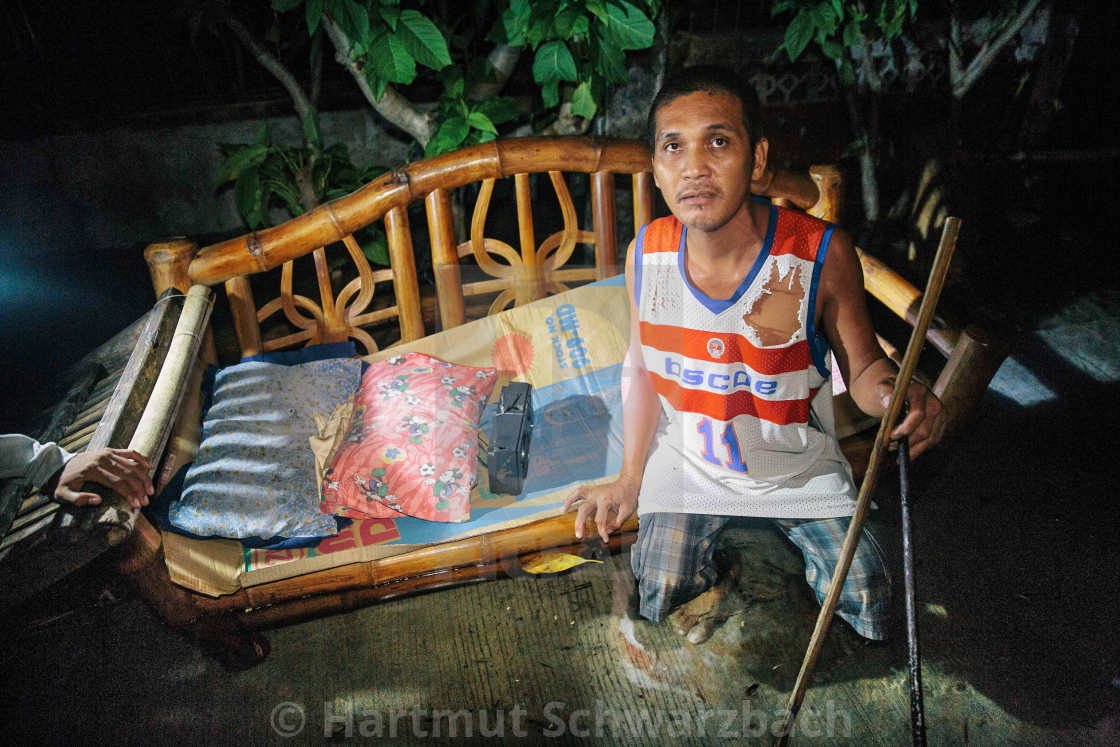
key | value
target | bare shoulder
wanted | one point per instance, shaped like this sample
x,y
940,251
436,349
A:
x,y
628,267
842,273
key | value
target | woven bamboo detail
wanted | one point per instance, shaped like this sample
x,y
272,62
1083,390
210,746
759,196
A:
x,y
533,272
332,318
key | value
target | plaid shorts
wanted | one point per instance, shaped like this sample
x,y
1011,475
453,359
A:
x,y
672,560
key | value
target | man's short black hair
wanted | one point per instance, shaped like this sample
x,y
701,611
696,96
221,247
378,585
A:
x,y
711,79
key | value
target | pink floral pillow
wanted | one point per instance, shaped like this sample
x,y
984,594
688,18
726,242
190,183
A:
x,y
412,446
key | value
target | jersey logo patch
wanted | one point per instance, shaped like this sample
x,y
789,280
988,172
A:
x,y
716,347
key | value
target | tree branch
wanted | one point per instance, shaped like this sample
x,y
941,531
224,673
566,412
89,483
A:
x,y
990,50
870,74
393,106
305,110
317,66
955,51
503,58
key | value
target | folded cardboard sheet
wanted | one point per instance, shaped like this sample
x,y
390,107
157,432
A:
x,y
569,346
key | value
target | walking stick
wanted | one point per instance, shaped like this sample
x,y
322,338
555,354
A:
x,y
878,452
914,657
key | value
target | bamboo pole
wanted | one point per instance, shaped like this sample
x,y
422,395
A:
x,y
445,260
158,416
606,230
898,295
878,452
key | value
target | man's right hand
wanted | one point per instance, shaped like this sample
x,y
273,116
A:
x,y
610,505
123,470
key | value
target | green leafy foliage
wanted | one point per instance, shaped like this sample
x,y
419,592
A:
x,y
576,50
265,176
836,27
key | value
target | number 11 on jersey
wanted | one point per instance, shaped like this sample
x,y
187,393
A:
x,y
730,442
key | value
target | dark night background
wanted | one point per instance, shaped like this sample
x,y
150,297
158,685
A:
x,y
142,66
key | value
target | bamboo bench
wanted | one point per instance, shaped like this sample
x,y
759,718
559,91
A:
x,y
478,268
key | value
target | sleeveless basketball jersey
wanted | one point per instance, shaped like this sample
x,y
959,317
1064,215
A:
x,y
743,381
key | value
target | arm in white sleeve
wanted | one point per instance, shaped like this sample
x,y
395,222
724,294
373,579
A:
x,y
21,456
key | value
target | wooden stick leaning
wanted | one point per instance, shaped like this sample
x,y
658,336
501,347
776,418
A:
x,y
878,451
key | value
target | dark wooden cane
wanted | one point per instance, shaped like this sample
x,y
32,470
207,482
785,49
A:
x,y
914,656
878,451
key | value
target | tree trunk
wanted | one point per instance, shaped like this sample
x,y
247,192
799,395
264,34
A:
x,y
868,152
394,107
962,80
1051,70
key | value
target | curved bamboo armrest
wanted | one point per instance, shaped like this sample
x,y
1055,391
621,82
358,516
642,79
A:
x,y
972,355
820,192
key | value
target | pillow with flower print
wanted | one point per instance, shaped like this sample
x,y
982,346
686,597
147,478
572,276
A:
x,y
412,444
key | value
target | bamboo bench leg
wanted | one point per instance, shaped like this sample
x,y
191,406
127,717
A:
x,y
222,636
228,640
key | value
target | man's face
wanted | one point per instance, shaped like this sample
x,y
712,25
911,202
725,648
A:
x,y
703,160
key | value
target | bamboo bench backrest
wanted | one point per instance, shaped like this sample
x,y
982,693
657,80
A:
x,y
517,275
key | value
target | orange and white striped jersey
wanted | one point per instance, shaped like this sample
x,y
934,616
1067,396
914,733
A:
x,y
743,381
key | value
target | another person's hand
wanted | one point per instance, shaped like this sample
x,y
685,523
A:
x,y
610,505
123,470
924,424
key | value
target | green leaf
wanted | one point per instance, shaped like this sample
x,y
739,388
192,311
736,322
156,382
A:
x,y
824,18
283,6
611,62
454,83
799,34
782,6
838,9
390,16
311,132
832,49
847,74
550,93
540,29
378,85
515,19
553,62
313,14
247,192
851,34
390,58
630,27
583,103
263,136
423,40
498,110
598,8
352,17
247,157
286,192
480,121
448,137
376,249
580,28
565,21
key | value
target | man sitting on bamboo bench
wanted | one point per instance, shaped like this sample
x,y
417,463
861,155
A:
x,y
727,403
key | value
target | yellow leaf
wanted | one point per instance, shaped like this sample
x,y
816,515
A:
x,y
553,561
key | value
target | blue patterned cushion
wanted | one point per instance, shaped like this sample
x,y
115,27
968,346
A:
x,y
255,472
